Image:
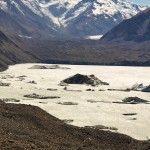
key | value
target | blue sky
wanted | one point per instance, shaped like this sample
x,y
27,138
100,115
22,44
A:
x,y
142,2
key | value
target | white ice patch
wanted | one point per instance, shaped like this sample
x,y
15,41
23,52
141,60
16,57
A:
x,y
24,36
103,112
94,37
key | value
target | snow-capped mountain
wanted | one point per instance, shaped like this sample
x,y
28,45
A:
x,y
62,17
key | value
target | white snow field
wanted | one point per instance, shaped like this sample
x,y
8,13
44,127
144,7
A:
x,y
85,113
95,37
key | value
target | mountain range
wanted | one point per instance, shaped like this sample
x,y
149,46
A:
x,y
51,32
55,18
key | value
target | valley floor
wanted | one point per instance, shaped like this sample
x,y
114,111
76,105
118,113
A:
x,y
86,108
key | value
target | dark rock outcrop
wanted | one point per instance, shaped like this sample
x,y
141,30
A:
x,y
134,100
147,89
84,79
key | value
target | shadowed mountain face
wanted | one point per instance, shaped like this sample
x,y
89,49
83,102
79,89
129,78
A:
x,y
11,53
131,35
54,18
136,29
21,50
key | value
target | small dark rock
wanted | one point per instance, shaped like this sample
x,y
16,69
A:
x,y
32,82
49,89
129,114
88,89
147,89
68,103
134,100
68,121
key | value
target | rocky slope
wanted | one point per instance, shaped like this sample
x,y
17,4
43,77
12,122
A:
x,y
88,52
29,127
83,52
136,29
75,18
131,35
10,52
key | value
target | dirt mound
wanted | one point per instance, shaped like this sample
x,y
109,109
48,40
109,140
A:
x,y
84,79
36,96
48,67
134,100
4,84
68,103
6,100
28,127
38,67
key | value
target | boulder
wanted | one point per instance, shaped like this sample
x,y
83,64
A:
x,y
147,89
134,100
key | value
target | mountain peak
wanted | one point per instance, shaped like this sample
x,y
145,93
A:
x,y
73,18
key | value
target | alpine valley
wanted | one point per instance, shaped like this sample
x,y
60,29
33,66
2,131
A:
x,y
53,31
66,80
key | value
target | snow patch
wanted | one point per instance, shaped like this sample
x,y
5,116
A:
x,y
94,37
24,36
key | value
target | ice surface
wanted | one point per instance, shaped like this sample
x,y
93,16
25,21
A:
x,y
101,112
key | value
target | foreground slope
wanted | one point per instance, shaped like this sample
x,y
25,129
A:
x,y
29,127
